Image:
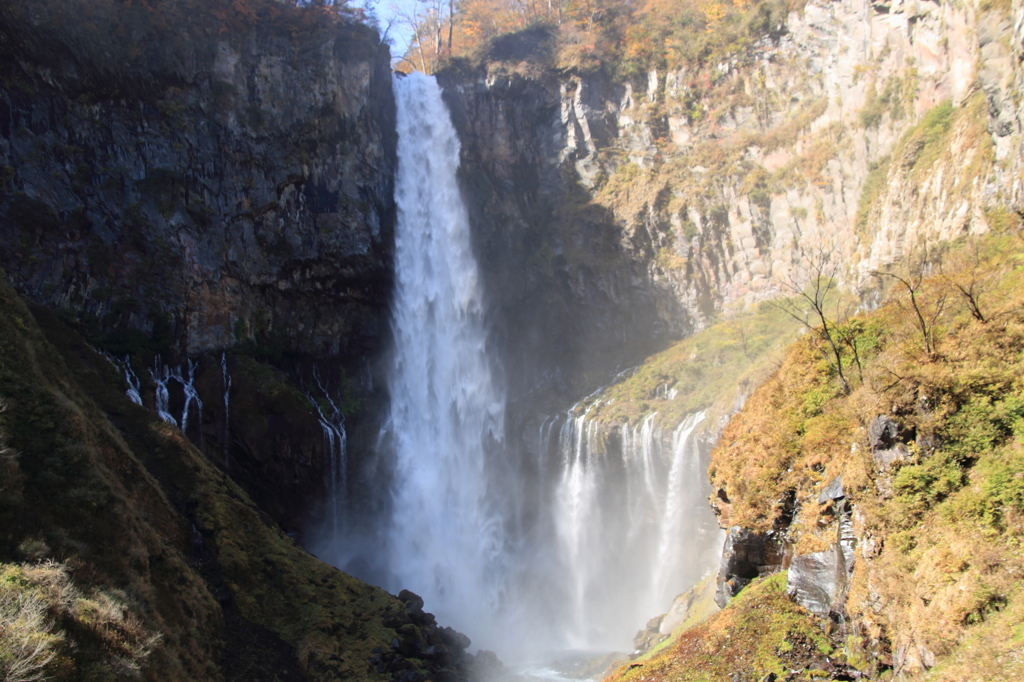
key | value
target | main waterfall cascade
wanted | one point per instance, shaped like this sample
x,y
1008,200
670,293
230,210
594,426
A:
x,y
570,536
446,537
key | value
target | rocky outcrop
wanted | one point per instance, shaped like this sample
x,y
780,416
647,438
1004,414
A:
x,y
747,555
819,581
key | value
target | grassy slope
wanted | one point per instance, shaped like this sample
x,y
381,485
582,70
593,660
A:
x,y
939,561
707,370
941,531
762,631
115,500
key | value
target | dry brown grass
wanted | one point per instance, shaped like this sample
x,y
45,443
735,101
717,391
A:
x,y
941,558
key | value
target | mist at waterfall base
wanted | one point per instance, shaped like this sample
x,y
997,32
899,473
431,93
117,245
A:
x,y
552,535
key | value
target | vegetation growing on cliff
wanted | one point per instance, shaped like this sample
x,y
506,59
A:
x,y
627,38
123,551
938,502
711,369
762,634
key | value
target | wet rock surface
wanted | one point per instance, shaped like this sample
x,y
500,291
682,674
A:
x,y
745,556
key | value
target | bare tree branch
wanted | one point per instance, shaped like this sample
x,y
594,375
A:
x,y
809,288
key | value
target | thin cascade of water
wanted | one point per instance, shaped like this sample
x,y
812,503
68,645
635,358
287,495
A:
x,y
578,510
336,449
191,394
684,477
641,445
134,385
446,534
225,377
544,435
161,375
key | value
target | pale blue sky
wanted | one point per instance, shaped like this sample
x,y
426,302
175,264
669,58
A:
x,y
400,34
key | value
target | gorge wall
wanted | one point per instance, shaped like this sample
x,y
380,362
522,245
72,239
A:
x,y
237,206
237,197
709,184
850,135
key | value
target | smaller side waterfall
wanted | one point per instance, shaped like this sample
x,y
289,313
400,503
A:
x,y
684,477
191,394
162,375
631,523
335,449
226,381
134,385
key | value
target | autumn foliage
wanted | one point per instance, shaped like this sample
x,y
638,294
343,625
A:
x,y
628,37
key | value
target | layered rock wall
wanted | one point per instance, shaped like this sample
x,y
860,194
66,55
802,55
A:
x,y
240,202
861,130
251,202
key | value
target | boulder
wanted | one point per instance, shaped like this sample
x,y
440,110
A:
x,y
819,581
649,637
833,491
885,437
883,433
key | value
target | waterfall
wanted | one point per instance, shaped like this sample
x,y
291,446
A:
x,y
684,478
632,526
336,450
570,536
226,381
446,536
162,375
134,385
191,394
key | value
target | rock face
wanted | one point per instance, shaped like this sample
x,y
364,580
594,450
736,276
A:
x,y
660,204
568,289
745,556
251,202
819,581
240,201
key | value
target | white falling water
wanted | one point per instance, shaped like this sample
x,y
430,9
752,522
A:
x,y
226,380
134,385
684,479
447,540
162,375
573,542
631,524
191,394
336,449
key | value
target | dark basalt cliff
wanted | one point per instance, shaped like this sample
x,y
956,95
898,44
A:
x,y
144,561
232,194
568,287
247,199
